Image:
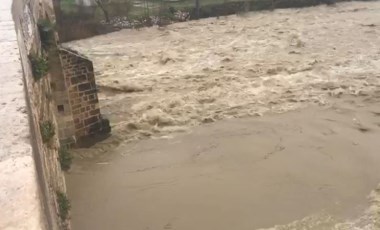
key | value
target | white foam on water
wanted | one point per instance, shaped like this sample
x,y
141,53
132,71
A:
x,y
368,220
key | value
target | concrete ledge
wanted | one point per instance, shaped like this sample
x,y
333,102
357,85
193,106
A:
x,y
20,205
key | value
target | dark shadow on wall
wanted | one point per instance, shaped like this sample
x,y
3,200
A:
x,y
80,22
74,30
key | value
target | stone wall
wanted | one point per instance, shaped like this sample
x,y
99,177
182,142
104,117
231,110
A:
x,y
66,129
40,107
56,96
70,84
79,76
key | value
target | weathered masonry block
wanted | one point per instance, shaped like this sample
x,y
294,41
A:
x,y
79,78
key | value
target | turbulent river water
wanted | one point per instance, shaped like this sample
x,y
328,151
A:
x,y
268,120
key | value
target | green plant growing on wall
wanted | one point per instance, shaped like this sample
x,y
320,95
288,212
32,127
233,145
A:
x,y
40,66
46,30
65,158
63,205
47,131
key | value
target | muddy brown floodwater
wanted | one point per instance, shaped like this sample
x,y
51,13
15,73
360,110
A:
x,y
316,164
269,120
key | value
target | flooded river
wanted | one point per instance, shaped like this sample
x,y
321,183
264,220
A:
x,y
265,121
317,163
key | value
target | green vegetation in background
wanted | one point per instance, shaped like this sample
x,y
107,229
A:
x,y
68,6
46,30
135,9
